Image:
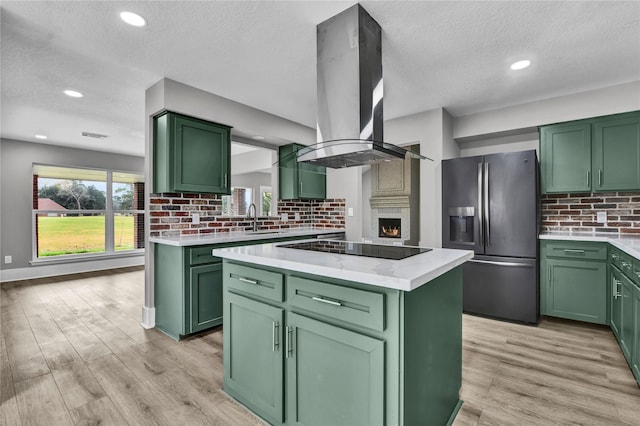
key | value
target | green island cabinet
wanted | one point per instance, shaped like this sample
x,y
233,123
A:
x,y
635,357
190,155
595,155
574,280
299,180
188,286
301,349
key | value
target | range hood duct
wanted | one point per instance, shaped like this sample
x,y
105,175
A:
x,y
350,88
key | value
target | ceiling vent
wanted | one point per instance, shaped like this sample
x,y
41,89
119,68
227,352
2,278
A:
x,y
94,135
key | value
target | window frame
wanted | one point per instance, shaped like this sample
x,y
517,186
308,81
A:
x,y
109,217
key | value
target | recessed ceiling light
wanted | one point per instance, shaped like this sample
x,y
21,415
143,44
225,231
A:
x,y
40,136
257,137
73,94
133,19
520,65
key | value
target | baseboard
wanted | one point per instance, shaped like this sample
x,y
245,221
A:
x,y
148,317
41,271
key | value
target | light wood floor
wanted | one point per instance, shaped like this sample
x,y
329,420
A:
x,y
72,352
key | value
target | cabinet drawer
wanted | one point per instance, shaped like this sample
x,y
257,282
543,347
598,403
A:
x,y
254,281
576,250
626,264
360,307
202,255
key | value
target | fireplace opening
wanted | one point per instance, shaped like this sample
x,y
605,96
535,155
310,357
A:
x,y
389,228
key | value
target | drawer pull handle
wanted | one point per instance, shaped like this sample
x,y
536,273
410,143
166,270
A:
x,y
614,256
625,264
329,302
637,274
573,251
247,280
288,350
275,329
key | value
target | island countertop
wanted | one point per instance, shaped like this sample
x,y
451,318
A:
x,y
406,274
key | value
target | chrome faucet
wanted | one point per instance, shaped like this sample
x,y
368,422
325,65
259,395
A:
x,y
255,216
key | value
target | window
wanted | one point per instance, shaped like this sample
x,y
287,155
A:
x,y
82,212
237,204
266,201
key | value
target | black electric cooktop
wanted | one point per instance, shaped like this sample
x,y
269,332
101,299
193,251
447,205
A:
x,y
358,249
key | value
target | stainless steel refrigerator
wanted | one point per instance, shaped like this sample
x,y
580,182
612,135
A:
x,y
490,204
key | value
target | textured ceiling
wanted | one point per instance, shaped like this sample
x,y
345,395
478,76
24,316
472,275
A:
x,y
262,53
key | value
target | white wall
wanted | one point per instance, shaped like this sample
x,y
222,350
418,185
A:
x,y
347,183
16,180
593,103
522,142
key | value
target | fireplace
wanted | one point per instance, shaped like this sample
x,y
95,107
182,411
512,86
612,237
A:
x,y
389,228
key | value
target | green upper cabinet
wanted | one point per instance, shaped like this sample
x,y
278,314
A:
x,y
616,153
299,180
565,150
597,155
190,155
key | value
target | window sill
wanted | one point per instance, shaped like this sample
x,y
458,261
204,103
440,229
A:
x,y
85,258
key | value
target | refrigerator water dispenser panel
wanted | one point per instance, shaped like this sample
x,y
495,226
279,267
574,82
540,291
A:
x,y
461,220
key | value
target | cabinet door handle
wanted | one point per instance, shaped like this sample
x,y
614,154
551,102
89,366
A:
x,y
573,251
247,280
288,351
225,180
588,177
549,274
300,187
327,301
275,340
599,177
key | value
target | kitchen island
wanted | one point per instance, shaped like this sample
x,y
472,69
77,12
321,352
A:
x,y
330,338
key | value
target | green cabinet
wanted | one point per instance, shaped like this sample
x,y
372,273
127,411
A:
x,y
635,355
190,155
301,349
596,155
299,180
254,369
565,153
616,153
574,280
334,376
187,289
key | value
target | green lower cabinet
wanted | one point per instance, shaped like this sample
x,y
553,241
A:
x,y
635,357
575,289
206,301
334,376
253,355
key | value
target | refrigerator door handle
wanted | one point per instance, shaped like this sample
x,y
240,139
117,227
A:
x,y
513,264
486,203
480,211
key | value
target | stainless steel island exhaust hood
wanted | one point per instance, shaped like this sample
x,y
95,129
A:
x,y
349,72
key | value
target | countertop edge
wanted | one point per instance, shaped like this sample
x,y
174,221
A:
x,y
232,237
395,283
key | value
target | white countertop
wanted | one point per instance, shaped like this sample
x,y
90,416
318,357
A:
x,y
630,244
406,274
231,237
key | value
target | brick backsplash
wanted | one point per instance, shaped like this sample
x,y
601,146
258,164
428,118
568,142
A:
x,y
577,212
170,215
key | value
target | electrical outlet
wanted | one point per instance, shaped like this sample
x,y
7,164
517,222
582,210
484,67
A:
x,y
284,217
350,212
8,259
297,216
195,218
601,217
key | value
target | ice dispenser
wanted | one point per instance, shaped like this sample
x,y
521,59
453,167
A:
x,y
461,220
